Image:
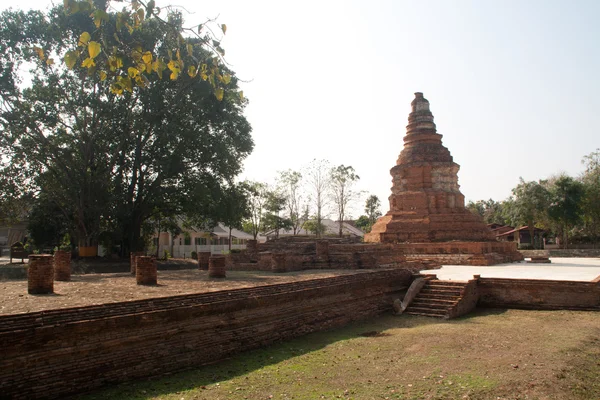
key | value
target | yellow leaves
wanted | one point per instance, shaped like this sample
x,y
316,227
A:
x,y
88,63
132,72
71,58
147,57
94,49
190,49
224,28
192,71
226,79
115,63
159,66
49,61
84,39
40,52
219,92
241,95
174,68
103,76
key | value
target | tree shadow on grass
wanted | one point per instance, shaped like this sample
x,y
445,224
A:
x,y
246,362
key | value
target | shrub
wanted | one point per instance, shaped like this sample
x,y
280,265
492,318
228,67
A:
x,y
167,255
194,255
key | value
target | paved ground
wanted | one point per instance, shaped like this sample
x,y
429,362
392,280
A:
x,y
566,269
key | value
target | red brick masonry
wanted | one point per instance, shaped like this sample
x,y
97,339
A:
x,y
59,352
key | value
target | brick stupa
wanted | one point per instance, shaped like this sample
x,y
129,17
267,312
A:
x,y
426,205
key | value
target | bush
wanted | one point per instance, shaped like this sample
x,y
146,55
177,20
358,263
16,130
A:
x,y
236,251
194,255
525,246
167,255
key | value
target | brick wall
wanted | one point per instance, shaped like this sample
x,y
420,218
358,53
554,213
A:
x,y
59,352
539,294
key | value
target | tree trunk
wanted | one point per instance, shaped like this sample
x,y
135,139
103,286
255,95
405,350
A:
x,y
230,239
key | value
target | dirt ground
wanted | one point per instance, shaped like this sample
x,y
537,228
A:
x,y
92,289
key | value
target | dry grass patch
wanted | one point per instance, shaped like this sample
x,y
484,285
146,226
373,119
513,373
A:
x,y
493,354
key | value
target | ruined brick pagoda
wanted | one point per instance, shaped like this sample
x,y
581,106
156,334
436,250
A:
x,y
426,205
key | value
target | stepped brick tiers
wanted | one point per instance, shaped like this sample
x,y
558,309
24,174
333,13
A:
x,y
427,210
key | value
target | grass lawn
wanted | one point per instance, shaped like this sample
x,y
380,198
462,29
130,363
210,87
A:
x,y
490,354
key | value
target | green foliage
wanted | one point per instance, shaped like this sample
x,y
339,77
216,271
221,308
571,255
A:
x,y
166,255
372,209
364,223
566,196
492,212
314,226
108,162
194,255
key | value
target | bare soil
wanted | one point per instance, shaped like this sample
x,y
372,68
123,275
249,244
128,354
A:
x,y
92,289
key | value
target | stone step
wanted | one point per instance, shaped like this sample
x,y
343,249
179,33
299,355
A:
x,y
445,283
447,292
428,306
433,296
425,300
425,312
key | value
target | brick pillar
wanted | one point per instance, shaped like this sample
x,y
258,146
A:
x,y
145,271
216,267
40,274
203,257
278,264
323,250
132,257
252,250
62,265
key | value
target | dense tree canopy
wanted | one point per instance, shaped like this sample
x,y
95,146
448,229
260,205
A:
x,y
109,160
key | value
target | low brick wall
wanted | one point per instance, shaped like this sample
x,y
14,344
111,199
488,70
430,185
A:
x,y
59,352
562,253
539,294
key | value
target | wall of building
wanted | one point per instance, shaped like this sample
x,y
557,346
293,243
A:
x,y
55,353
539,294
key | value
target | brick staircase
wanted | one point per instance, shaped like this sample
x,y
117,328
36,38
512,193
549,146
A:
x,y
437,298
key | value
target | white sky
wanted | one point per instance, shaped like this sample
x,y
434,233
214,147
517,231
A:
x,y
513,85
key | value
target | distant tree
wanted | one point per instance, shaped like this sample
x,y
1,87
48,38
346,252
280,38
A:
x,y
529,205
489,210
318,179
342,180
313,226
290,188
46,223
234,207
591,199
372,209
272,220
566,195
258,195
364,223
476,208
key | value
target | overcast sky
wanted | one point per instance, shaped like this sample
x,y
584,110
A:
x,y
513,85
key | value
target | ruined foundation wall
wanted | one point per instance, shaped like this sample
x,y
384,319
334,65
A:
x,y
59,352
539,294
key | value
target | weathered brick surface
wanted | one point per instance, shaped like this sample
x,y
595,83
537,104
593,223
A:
x,y
203,257
58,352
539,294
62,265
145,270
40,274
216,267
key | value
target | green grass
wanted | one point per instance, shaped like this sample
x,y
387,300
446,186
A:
x,y
490,354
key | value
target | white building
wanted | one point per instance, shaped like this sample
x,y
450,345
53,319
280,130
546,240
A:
x,y
216,241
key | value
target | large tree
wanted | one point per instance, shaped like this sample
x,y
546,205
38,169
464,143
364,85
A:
x,y
169,145
591,199
566,196
528,205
